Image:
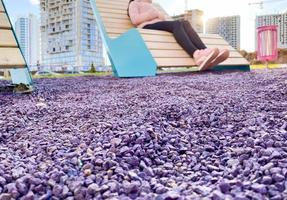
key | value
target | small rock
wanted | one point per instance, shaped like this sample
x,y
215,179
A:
x,y
124,149
171,195
29,196
12,189
132,187
148,171
260,188
116,141
160,189
22,187
87,172
267,166
98,162
217,195
57,190
267,180
224,187
109,164
278,177
2,181
5,196
93,189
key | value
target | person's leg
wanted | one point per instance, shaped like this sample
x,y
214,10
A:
x,y
179,33
193,36
161,26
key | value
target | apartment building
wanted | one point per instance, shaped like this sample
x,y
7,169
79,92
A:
x,y
195,17
27,29
226,27
69,34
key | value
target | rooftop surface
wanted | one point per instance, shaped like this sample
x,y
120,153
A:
x,y
174,136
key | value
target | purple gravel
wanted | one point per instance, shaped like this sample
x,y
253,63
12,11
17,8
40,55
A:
x,y
178,136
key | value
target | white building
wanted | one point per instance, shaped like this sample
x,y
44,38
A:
x,y
27,30
226,27
195,17
280,20
69,34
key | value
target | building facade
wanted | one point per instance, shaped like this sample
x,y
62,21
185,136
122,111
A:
x,y
69,34
195,17
226,27
280,20
27,29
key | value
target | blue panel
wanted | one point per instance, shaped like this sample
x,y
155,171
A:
x,y
131,57
21,76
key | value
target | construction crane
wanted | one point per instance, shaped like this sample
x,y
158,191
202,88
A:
x,y
261,3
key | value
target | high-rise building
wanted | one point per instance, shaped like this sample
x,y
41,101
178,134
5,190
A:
x,y
195,17
280,20
226,27
69,34
27,29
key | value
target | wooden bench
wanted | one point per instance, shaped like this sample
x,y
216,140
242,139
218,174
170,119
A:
x,y
11,56
113,23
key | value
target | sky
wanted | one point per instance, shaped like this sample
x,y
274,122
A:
x,y
211,8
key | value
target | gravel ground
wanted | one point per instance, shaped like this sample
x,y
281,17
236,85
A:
x,y
175,136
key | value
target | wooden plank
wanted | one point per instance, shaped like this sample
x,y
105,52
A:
x,y
169,54
1,7
181,62
175,46
4,22
174,62
120,26
122,7
163,45
7,39
170,39
114,15
164,53
11,57
112,2
235,61
112,10
114,20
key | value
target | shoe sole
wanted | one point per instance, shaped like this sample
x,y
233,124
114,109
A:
x,y
219,59
203,66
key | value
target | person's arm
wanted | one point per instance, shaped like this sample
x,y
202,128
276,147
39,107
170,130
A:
x,y
138,18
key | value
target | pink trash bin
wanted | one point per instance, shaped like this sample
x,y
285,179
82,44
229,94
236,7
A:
x,y
267,49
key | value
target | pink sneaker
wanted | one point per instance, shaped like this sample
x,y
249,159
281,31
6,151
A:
x,y
203,58
222,56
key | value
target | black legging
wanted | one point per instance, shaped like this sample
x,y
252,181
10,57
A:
x,y
183,32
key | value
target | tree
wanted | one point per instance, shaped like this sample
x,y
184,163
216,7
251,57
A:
x,y
93,69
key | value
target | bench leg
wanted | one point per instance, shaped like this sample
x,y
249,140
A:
x,y
130,57
21,76
6,73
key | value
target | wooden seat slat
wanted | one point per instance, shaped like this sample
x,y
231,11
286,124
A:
x,y
1,7
7,39
163,53
11,57
4,22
